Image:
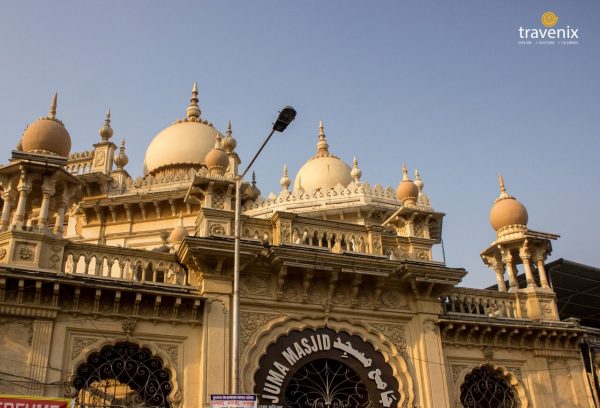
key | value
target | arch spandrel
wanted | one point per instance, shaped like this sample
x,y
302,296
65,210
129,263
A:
x,y
271,331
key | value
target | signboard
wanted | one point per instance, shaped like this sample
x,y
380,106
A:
x,y
18,401
232,401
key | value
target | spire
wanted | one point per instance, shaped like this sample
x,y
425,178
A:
x,y
121,160
404,173
355,173
229,143
503,193
322,146
418,182
253,179
106,131
285,180
52,113
193,111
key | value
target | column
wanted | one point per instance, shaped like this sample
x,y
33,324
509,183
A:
x,y
507,258
526,257
499,268
38,356
542,272
47,193
24,188
6,209
60,218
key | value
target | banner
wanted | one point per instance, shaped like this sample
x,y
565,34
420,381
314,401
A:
x,y
232,401
18,401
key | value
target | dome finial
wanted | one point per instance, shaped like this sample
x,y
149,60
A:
x,y
193,111
404,172
121,160
53,104
356,172
253,179
285,180
322,146
106,131
418,182
229,143
503,193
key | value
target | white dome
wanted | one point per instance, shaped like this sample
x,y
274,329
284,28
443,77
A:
x,y
322,172
180,144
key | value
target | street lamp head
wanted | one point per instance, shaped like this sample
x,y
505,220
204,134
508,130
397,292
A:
x,y
286,116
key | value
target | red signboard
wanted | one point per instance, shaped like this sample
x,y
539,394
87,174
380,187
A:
x,y
18,401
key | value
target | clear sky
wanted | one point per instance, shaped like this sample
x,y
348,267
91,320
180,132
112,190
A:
x,y
440,85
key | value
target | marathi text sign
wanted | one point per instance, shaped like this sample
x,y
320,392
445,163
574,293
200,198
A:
x,y
17,401
233,401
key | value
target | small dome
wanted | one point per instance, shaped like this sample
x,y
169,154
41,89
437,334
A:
x,y
507,210
324,170
252,192
179,232
186,142
229,144
216,160
407,189
47,135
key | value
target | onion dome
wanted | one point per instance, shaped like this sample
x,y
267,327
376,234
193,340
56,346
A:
x,y
507,210
407,190
285,180
106,131
323,171
418,182
121,159
47,135
183,144
355,173
252,192
216,160
179,232
229,144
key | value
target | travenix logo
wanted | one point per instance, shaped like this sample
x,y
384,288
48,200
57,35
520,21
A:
x,y
550,33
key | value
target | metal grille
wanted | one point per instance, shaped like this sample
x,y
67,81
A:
x,y
485,388
123,375
326,384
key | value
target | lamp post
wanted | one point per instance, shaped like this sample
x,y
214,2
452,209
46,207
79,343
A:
x,y
286,116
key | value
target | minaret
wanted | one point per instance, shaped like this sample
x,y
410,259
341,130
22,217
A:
x,y
356,172
104,151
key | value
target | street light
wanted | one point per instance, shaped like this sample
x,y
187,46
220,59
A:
x,y
286,116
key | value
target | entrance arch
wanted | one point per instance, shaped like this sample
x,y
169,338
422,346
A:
x,y
490,386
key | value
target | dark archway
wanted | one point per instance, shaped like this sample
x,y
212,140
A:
x,y
487,388
122,375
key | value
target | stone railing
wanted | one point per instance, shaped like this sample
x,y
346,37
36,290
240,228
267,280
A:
x,y
486,303
123,264
80,162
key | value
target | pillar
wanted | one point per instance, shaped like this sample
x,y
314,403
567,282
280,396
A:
x,y
47,193
499,268
507,258
6,209
24,188
542,272
526,258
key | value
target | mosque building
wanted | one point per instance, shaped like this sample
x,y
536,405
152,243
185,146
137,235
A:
x,y
117,291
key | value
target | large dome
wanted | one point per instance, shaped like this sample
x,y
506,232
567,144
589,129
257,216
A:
x,y
186,142
324,170
47,135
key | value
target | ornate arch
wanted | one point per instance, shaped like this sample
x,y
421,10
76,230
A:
x,y
272,330
504,373
174,397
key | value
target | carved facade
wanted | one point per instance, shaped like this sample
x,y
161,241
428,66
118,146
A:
x,y
99,270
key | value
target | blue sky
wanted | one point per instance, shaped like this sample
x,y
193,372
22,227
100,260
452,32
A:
x,y
441,86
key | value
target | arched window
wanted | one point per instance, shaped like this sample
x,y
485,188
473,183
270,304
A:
x,y
487,388
122,375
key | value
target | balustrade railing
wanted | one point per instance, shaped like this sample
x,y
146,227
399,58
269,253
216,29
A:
x,y
123,263
490,304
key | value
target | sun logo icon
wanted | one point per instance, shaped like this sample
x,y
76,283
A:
x,y
549,19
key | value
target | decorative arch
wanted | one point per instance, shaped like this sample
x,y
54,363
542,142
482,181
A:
x,y
172,398
272,330
502,372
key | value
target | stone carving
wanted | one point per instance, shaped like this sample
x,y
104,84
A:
x,y
430,325
488,353
393,299
128,325
255,285
250,322
171,350
547,308
456,370
79,343
2,253
422,255
285,233
395,333
25,253
516,372
217,229
290,292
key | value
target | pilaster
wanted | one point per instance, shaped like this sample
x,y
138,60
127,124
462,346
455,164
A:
x,y
38,356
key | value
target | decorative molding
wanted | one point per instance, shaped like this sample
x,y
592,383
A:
x,y
250,322
396,334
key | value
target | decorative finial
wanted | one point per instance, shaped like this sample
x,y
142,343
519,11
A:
x,y
322,146
418,182
53,104
106,131
229,143
355,173
285,180
121,160
404,173
253,179
193,111
503,193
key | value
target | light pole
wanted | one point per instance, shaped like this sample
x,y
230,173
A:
x,y
286,116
